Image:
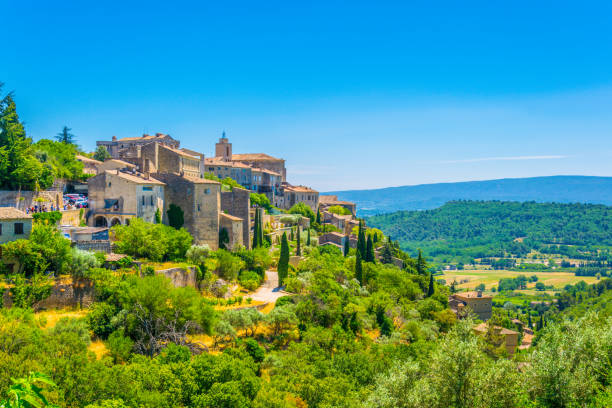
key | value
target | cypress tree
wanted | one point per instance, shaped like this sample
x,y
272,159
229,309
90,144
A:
x,y
308,238
256,226
319,216
370,255
431,289
529,321
421,264
283,261
359,268
346,245
361,241
291,236
298,248
541,323
260,229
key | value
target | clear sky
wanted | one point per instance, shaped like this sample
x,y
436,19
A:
x,y
352,94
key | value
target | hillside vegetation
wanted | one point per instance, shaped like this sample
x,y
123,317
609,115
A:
x,y
481,229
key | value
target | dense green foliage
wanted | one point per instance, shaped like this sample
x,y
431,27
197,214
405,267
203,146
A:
x,y
304,210
157,242
471,229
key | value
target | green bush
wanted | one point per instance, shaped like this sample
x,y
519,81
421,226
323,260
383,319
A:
x,y
249,280
50,217
99,319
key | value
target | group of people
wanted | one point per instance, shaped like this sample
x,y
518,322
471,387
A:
x,y
41,208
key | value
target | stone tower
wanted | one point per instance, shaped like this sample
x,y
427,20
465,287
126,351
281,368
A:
x,y
223,148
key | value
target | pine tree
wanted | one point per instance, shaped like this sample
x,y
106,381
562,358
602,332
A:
x,y
65,136
308,238
283,261
431,289
421,264
298,238
347,247
359,268
370,255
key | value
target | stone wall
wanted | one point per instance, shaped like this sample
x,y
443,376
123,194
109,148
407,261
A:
x,y
63,295
72,217
180,277
95,246
238,203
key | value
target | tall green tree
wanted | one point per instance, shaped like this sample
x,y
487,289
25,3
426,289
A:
x,y
158,219
361,241
421,265
308,238
359,268
283,261
176,217
101,154
298,247
370,256
431,289
256,243
65,136
318,216
347,247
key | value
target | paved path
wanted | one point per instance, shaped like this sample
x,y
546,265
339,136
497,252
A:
x,y
269,291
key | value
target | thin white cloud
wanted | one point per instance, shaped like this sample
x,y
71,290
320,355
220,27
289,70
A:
x,y
485,159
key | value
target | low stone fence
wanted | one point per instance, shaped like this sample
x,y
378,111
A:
x,y
63,295
180,277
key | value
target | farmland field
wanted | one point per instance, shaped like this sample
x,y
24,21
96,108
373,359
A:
x,y
490,278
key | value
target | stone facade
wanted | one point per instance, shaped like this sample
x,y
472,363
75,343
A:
x,y
158,158
233,226
200,201
238,203
116,197
14,224
292,195
480,304
129,147
333,238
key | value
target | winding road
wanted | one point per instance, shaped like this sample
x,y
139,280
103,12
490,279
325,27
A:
x,y
269,291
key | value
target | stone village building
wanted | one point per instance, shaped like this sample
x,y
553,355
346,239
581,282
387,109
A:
x,y
476,301
14,224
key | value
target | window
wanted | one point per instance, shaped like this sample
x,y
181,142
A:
x,y
151,200
109,183
147,189
0,229
207,191
19,228
143,200
199,208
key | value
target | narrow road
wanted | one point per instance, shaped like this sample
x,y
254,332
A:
x,y
269,291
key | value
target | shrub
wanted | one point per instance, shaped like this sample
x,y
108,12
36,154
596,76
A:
x,y
50,217
249,280
340,210
119,346
70,325
99,319
228,265
82,263
303,209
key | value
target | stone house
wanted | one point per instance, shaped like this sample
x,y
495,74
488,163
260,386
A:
x,y
291,195
238,203
200,201
327,201
223,151
334,238
233,225
240,172
476,301
129,147
115,197
158,158
511,337
14,224
90,166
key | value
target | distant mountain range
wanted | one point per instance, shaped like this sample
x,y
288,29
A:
x,y
560,189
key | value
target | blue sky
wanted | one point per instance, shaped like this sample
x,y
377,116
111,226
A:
x,y
352,94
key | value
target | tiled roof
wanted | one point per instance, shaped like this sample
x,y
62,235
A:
x,y
135,178
86,159
482,327
472,295
124,163
324,198
231,217
145,137
198,180
217,161
12,213
180,152
254,157
300,189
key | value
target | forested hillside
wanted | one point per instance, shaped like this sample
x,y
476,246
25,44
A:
x,y
501,229
559,189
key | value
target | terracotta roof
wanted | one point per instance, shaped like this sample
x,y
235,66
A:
x,y
180,152
12,213
324,198
217,161
255,157
86,159
198,180
124,163
482,327
231,217
472,295
300,189
192,152
145,137
135,178
270,172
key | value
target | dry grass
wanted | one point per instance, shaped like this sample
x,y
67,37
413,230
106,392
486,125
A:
x,y
98,348
50,317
